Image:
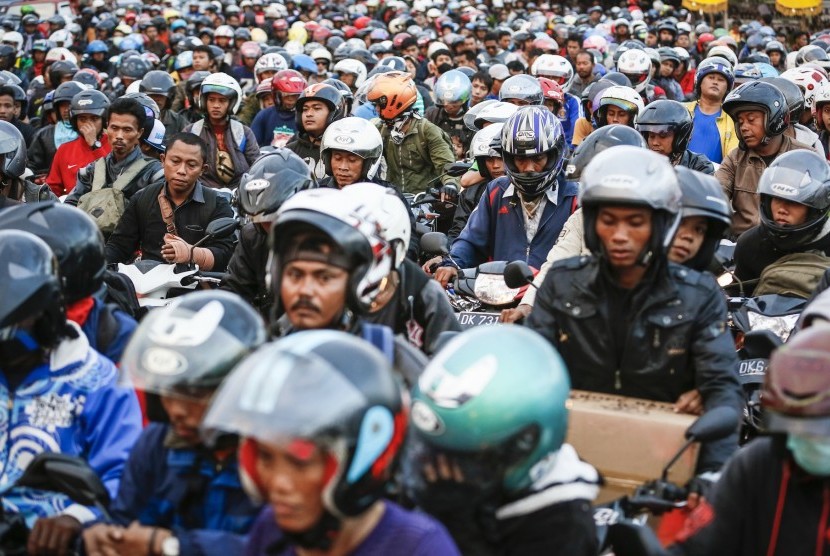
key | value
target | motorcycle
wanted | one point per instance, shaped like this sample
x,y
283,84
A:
x,y
478,294
156,282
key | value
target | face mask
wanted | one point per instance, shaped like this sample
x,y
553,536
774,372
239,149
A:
x,y
811,453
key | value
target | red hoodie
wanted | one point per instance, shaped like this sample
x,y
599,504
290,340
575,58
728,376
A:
x,y
70,158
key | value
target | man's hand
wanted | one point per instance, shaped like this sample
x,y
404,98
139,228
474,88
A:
x,y
517,313
53,535
175,249
135,540
103,540
88,132
445,274
430,265
690,402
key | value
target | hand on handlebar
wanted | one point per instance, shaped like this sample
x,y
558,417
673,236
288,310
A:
x,y
690,402
432,264
509,316
53,535
445,274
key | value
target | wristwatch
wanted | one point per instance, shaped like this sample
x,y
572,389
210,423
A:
x,y
97,145
170,547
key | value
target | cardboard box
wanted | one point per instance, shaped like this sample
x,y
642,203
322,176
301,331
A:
x,y
629,440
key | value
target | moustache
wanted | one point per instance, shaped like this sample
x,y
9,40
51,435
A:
x,y
305,304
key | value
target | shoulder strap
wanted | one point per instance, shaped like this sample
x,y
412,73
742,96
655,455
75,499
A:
x,y
238,133
381,337
99,173
167,213
198,127
130,173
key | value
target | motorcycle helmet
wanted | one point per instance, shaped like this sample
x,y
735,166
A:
x,y
272,62
356,136
61,70
624,98
183,61
73,237
287,82
554,67
345,92
523,88
393,94
608,136
317,390
808,80
464,406
485,144
724,53
632,176
88,102
765,97
326,94
821,98
67,91
667,116
453,87
194,83
703,196
392,214
714,65
350,66
792,93
134,67
186,349
635,64
270,181
158,82
744,73
533,131
225,85
802,177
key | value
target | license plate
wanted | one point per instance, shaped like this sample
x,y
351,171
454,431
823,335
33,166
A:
x,y
469,319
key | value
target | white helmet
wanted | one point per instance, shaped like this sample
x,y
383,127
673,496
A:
x,y
59,53
356,136
636,65
480,146
224,31
724,52
61,38
808,80
821,96
391,213
554,67
15,38
621,97
156,138
269,62
293,47
321,54
225,85
497,112
354,67
134,87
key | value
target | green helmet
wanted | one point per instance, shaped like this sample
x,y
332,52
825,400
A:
x,y
498,392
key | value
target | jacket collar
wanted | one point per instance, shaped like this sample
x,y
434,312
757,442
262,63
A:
x,y
129,159
197,195
552,193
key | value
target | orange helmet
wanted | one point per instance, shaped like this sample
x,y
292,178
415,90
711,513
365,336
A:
x,y
392,94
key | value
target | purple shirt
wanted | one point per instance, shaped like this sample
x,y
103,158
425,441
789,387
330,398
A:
x,y
399,532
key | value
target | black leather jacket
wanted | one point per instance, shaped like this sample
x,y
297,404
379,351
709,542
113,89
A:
x,y
248,267
663,338
697,162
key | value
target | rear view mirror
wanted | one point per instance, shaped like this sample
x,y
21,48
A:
x,y
713,425
435,243
222,227
517,274
67,475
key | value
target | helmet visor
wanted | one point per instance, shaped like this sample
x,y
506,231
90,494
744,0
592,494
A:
x,y
661,130
805,426
219,89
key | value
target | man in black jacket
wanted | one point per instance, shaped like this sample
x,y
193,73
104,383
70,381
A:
x,y
625,320
191,208
666,125
318,106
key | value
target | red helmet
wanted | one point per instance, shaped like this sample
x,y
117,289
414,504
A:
x,y
362,22
551,90
703,41
320,34
287,82
280,25
398,39
350,31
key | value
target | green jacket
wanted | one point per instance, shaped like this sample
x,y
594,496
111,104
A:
x,y
419,159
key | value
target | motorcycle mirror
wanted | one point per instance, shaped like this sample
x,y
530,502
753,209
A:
x,y
435,243
517,274
759,344
222,227
715,424
630,539
67,475
456,169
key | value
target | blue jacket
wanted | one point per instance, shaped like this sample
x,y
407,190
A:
x,y
496,228
572,112
187,491
272,124
109,326
75,405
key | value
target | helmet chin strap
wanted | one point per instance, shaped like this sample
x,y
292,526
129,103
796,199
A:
x,y
319,536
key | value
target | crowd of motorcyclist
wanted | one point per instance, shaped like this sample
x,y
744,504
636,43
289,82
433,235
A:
x,y
324,400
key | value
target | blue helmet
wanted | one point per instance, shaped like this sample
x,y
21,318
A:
x,y
714,65
532,131
766,69
746,72
304,62
131,43
183,60
96,46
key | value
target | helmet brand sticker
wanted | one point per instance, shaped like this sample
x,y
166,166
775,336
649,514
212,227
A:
x,y
162,361
619,181
84,102
453,389
343,140
783,189
525,135
257,185
425,419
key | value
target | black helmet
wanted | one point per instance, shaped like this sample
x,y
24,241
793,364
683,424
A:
x,y
88,102
31,290
667,116
158,82
792,93
12,152
320,389
74,239
188,348
134,67
326,94
668,54
271,180
152,112
603,138
19,96
8,54
617,78
67,91
803,177
703,196
758,95
61,69
345,91
194,83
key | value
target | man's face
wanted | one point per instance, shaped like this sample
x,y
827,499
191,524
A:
x,y
90,119
442,59
616,115
824,114
347,78
666,37
124,132
504,42
527,164
63,110
480,91
222,42
7,111
185,416
152,33
714,86
750,125
651,39
288,102
624,233
495,166
453,108
347,167
314,117
470,44
788,213
313,293
265,75
161,100
492,47
775,58
217,106
572,47
182,164
518,101
266,101
411,50
683,41
293,478
667,68
661,142
688,239
185,73
584,66
201,61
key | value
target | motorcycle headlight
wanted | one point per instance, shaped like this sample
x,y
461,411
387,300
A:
x,y
781,325
491,290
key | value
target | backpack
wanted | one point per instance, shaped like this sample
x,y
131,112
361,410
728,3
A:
x,y
793,275
106,205
237,132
